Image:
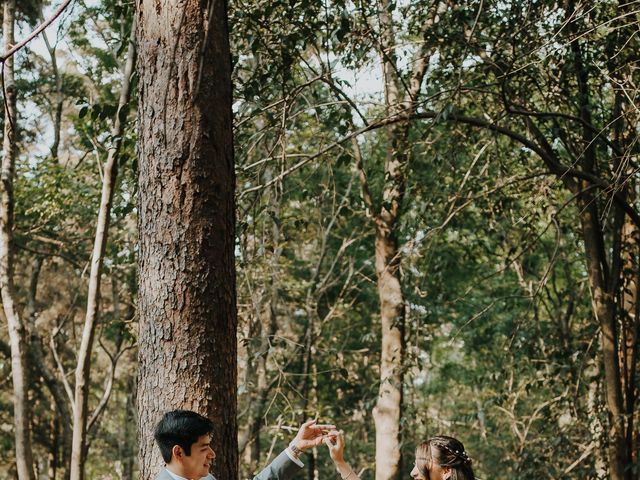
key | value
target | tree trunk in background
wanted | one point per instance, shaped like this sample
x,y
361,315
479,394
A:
x,y
127,455
24,456
596,429
604,273
604,310
61,432
388,409
629,331
187,296
266,327
83,368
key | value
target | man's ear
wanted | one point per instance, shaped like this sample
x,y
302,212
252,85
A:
x,y
177,452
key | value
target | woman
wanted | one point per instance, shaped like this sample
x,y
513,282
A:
x,y
439,458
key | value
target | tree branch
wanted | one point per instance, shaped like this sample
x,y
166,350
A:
x,y
36,32
554,166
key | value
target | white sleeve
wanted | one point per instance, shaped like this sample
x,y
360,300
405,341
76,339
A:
x,y
293,458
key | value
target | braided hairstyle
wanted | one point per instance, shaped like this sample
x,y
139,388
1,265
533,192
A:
x,y
446,452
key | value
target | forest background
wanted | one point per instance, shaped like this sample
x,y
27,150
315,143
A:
x,y
436,232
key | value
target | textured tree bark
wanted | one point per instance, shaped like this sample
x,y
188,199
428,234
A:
x,y
17,338
83,367
187,338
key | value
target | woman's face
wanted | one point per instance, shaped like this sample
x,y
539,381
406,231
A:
x,y
416,474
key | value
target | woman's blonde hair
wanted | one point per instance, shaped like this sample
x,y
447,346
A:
x,y
446,452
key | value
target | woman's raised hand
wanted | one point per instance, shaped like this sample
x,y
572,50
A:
x,y
334,440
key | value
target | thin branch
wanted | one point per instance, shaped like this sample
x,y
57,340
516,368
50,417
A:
x,y
63,373
104,400
36,32
552,163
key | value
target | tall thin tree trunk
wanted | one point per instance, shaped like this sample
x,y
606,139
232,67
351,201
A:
x,y
605,312
17,338
267,326
61,450
388,410
187,295
54,451
629,330
83,368
127,454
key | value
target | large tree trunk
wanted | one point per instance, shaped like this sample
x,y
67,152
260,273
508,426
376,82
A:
x,y
24,457
186,221
624,134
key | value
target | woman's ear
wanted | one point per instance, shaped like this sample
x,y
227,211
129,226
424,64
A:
x,y
447,472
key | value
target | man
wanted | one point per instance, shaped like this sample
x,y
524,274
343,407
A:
x,y
184,439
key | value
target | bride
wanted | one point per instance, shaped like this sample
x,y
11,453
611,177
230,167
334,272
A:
x,y
439,458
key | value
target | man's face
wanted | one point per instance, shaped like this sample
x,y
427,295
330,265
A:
x,y
196,465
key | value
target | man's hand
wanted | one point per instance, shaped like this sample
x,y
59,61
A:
x,y
311,435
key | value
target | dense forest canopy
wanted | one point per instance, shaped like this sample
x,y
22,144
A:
x,y
436,232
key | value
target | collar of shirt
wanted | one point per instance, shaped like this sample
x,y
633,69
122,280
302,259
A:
x,y
178,477
173,475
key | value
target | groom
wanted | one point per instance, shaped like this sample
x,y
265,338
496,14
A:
x,y
184,438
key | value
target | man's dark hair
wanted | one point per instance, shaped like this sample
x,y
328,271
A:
x,y
180,427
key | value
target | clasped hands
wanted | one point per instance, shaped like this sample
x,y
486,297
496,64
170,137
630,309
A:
x,y
312,434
